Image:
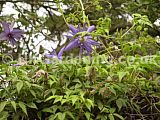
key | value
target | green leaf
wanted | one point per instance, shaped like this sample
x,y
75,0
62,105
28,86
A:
x,y
37,86
112,110
4,115
23,21
61,116
33,93
89,104
52,117
112,90
100,105
28,84
39,114
63,101
121,75
111,117
119,103
32,105
23,107
49,98
74,98
13,104
101,117
105,110
82,93
51,109
58,98
138,28
19,86
53,91
2,105
88,115
51,82
70,114
119,116
47,110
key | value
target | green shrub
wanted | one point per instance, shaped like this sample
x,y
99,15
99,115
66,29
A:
x,y
123,89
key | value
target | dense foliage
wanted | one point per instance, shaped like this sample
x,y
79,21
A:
x,y
106,69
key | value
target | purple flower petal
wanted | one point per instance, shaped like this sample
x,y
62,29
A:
x,y
87,37
87,43
69,35
73,29
81,49
91,28
53,52
74,43
10,34
17,36
6,27
47,61
88,47
79,27
49,55
16,33
61,53
92,42
12,41
84,27
11,26
3,36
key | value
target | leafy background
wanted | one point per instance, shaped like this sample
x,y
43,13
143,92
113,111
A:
x,y
121,81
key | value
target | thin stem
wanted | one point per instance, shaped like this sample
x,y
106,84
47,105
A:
x,y
128,30
61,11
106,49
83,11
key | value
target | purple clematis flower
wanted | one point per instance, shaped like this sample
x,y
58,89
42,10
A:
x,y
53,54
11,34
81,41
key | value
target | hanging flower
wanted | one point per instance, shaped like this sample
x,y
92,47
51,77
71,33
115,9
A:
x,y
10,34
53,54
82,41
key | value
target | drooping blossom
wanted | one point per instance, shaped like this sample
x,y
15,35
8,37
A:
x,y
53,54
81,41
10,34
